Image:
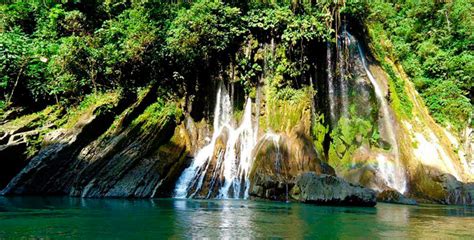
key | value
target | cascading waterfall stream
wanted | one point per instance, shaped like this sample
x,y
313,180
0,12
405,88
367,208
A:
x,y
392,173
331,88
232,165
275,138
235,169
341,66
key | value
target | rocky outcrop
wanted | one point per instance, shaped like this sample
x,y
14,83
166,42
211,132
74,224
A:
x,y
12,160
40,174
140,154
142,166
330,190
392,196
431,185
287,168
20,139
136,156
279,158
455,192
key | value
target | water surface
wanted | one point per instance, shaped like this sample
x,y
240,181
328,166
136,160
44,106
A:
x,y
35,217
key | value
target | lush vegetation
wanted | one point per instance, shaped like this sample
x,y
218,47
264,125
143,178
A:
x,y
61,52
433,41
54,52
58,52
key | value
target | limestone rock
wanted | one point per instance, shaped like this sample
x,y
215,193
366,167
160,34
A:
x,y
330,190
456,192
12,160
139,159
432,185
392,196
278,160
40,175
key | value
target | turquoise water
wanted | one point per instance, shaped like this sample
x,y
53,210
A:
x,y
35,217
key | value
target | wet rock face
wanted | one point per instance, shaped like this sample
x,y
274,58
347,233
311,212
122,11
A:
x,y
198,134
16,141
40,174
212,179
12,160
278,160
330,190
140,160
392,196
141,166
364,170
434,186
456,192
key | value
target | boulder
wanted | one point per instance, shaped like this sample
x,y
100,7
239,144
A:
x,y
456,192
432,185
330,190
393,196
279,158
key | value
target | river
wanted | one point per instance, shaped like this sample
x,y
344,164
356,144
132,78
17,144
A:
x,y
62,217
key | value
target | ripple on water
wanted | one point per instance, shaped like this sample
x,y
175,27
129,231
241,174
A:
x,y
170,218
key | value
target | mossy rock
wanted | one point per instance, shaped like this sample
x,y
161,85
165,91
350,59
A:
x,y
278,162
431,185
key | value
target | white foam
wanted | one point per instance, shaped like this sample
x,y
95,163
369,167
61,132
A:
x,y
236,162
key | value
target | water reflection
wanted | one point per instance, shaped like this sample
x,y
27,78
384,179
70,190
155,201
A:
x,y
394,219
219,219
169,218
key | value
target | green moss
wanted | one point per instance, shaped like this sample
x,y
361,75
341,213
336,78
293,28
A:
x,y
157,113
346,137
340,156
141,93
399,98
253,92
375,137
318,133
40,123
113,127
382,48
425,187
88,105
286,108
55,115
238,114
20,122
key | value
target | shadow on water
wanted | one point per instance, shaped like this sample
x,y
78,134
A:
x,y
62,217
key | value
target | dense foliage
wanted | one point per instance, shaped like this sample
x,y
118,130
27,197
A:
x,y
61,51
53,52
434,43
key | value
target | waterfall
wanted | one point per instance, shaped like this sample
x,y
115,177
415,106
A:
x,y
331,88
237,168
342,45
275,138
392,173
338,92
232,166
